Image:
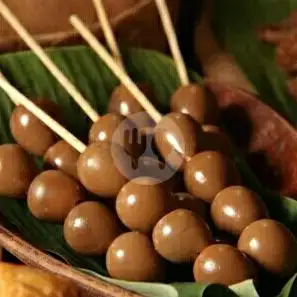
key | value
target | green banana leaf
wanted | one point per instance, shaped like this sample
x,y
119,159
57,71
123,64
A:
x,y
236,24
96,82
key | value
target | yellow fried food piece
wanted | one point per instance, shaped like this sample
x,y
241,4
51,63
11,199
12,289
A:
x,y
23,281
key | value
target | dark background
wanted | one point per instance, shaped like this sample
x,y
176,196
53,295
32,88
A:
x,y
186,28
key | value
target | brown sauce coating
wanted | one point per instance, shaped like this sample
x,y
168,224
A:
x,y
52,195
124,103
98,171
208,173
64,157
17,170
114,128
236,207
222,264
180,236
90,228
141,203
125,263
197,102
29,132
270,244
178,138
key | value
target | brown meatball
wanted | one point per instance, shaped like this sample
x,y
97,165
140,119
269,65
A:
x,y
105,128
17,170
90,228
29,132
115,128
270,244
124,103
52,195
236,207
197,102
132,257
64,157
178,139
99,171
180,236
208,173
141,203
222,264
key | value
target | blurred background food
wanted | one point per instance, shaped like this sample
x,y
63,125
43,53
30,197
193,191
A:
x,y
135,21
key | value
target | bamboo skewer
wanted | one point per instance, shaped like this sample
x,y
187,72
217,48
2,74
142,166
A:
x,y
118,71
48,63
108,32
173,42
12,92
12,98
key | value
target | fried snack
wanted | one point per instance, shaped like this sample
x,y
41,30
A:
x,y
23,281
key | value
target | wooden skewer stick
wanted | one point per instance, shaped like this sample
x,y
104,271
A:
x,y
12,92
48,63
172,40
12,98
108,32
118,71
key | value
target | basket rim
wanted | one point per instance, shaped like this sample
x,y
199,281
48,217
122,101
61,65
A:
x,y
36,258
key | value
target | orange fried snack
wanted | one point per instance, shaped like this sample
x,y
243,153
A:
x,y
23,281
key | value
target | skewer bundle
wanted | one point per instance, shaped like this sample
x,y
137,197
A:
x,y
151,224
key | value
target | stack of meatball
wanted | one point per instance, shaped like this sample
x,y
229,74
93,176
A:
x,y
142,222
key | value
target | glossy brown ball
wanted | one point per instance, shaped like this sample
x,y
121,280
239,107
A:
x,y
105,128
114,128
98,171
180,236
222,264
197,102
208,173
29,132
124,103
141,203
52,195
64,157
90,228
271,245
236,207
178,138
17,170
188,201
132,257
216,140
